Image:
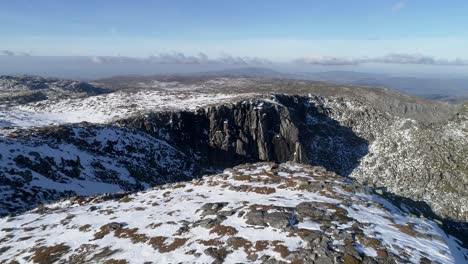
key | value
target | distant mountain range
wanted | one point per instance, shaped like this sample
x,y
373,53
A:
x,y
451,90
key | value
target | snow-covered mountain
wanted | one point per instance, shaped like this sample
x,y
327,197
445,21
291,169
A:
x,y
147,131
253,213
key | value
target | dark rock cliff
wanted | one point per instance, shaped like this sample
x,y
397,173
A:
x,y
351,138
226,135
279,129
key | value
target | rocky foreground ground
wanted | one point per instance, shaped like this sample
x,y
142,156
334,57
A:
x,y
253,213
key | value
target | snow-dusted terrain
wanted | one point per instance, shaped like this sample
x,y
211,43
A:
x,y
251,213
141,133
104,108
40,167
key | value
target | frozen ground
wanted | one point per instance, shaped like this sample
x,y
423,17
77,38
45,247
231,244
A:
x,y
251,213
104,108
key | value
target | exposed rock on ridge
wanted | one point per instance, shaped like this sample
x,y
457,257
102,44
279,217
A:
x,y
225,135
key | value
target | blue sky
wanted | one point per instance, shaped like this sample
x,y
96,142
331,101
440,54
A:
x,y
278,30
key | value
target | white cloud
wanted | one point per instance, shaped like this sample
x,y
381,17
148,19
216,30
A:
x,y
401,58
398,6
330,61
392,58
181,58
13,53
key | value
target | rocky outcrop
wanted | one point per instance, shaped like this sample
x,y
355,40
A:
x,y
253,213
23,89
226,135
350,137
424,162
23,97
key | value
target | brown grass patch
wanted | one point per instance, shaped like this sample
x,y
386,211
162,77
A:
x,y
84,228
81,253
382,253
297,261
158,243
239,242
46,255
243,177
106,211
103,253
177,243
131,234
67,219
348,188
222,230
348,259
273,179
125,199
407,229
330,193
291,183
281,249
154,225
116,261
260,190
210,243
214,183
370,242
261,245
260,207
106,229
389,219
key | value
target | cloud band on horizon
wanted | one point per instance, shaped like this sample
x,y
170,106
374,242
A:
x,y
392,58
226,59
181,58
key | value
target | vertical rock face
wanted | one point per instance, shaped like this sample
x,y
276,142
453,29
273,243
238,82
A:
x,y
226,135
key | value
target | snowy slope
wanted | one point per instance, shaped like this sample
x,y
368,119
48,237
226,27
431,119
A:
x,y
44,165
104,108
255,213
